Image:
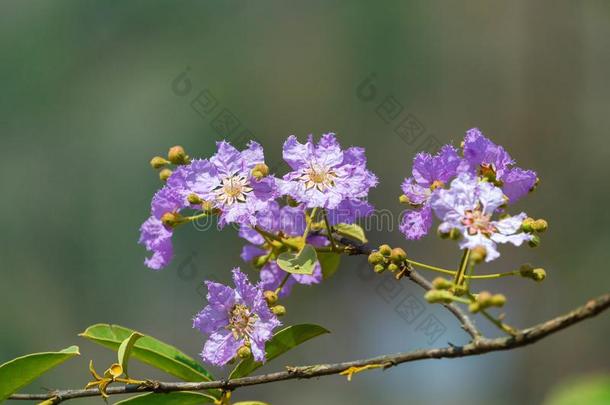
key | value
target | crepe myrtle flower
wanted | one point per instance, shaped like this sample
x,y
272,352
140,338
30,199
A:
x,y
468,206
323,175
287,221
485,158
429,173
228,182
235,318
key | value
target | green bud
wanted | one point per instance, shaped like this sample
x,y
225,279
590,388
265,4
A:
x,y
455,234
158,162
171,219
497,300
379,268
164,174
474,307
526,270
244,352
438,296
376,258
278,310
528,225
535,241
194,199
441,283
270,297
460,290
385,250
484,298
442,235
260,261
392,267
398,255
478,254
540,225
260,170
538,274
403,199
177,155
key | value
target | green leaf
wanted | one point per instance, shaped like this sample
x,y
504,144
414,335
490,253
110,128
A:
x,y
125,350
329,262
21,371
352,231
150,351
280,343
170,398
590,390
302,262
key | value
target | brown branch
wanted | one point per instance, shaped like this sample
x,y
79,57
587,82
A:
x,y
478,346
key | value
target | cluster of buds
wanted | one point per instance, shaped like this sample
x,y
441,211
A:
x,y
386,258
528,271
442,284
271,298
484,300
176,155
534,226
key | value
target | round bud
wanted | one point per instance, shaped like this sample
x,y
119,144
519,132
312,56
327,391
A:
x,y
171,219
455,234
497,300
164,174
392,267
535,241
459,290
442,235
538,274
376,258
385,250
438,296
244,352
194,199
398,255
379,268
484,298
403,199
478,254
158,162
278,310
270,297
540,225
526,270
441,283
527,225
260,170
177,155
474,307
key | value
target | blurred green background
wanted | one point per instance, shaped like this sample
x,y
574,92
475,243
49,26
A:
x,y
86,99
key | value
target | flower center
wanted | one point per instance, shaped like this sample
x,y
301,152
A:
x,y
233,189
241,321
475,222
319,177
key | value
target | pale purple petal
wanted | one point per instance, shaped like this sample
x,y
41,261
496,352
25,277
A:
x,y
518,182
220,348
416,224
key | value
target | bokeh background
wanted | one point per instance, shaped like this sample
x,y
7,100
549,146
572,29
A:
x,y
88,96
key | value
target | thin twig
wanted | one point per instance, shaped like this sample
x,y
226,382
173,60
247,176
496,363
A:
x,y
477,347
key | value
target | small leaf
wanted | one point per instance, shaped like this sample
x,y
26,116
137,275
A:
x,y
329,263
150,351
125,350
21,371
302,262
280,343
352,231
170,398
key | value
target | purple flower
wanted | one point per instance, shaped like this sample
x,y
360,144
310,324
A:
x,y
323,174
468,205
290,221
484,157
157,239
226,181
429,173
235,317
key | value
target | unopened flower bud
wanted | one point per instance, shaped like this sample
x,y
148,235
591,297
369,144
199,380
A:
x,y
441,283
528,225
392,267
385,250
455,234
260,261
158,162
379,268
526,270
438,296
244,352
460,290
442,235
194,199
484,298
270,297
278,310
398,255
497,300
164,174
478,254
535,241
376,258
474,307
538,274
177,155
403,199
171,219
260,170
540,225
